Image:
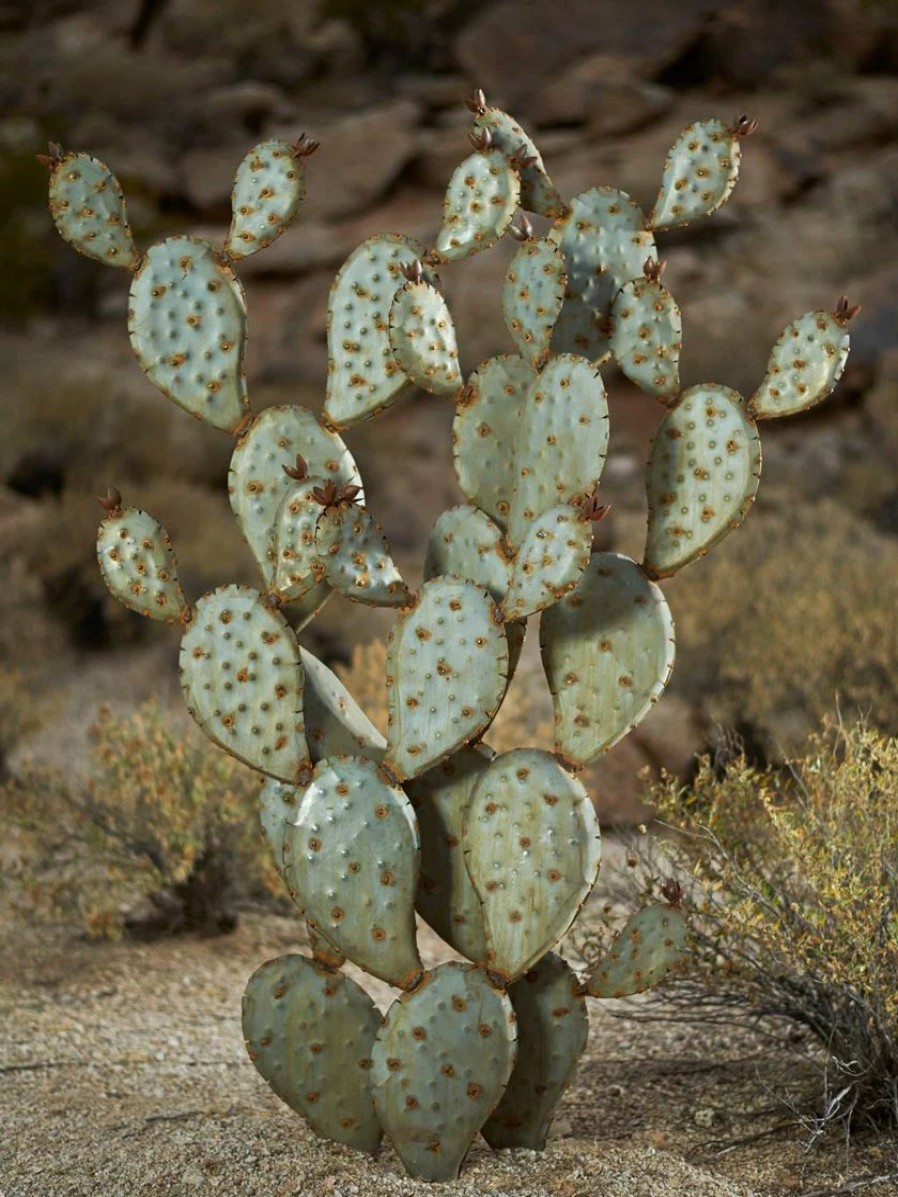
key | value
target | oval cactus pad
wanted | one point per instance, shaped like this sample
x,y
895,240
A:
x,y
703,476
242,681
608,652
560,442
538,193
447,660
806,363
422,336
642,954
532,847
363,376
187,321
646,336
532,297
553,1026
291,557
356,559
268,189
446,898
605,241
441,1062
88,208
480,204
700,172
310,1032
466,544
138,565
351,856
258,483
553,554
487,414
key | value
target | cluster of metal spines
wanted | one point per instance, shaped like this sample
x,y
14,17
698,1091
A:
x,y
370,831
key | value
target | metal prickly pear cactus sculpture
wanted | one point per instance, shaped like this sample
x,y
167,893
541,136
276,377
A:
x,y
497,853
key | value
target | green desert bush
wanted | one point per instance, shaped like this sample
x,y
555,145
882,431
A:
x,y
792,880
789,619
162,837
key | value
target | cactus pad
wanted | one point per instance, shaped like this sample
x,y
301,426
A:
x,y
441,1062
268,189
310,1033
480,204
608,652
88,208
553,1026
605,242
351,859
560,442
363,376
422,336
465,543
486,418
700,172
446,899
646,335
356,559
532,848
187,320
538,192
447,661
532,297
646,950
242,680
335,723
703,475
291,559
258,485
138,565
304,609
806,363
553,554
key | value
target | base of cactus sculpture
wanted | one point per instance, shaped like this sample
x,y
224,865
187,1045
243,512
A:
x,y
497,853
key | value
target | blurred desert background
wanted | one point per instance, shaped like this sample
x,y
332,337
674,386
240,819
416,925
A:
x,y
788,620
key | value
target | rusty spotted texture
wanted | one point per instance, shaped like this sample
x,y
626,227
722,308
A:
x,y
700,172
487,414
644,952
441,1062
480,203
646,337
138,565
538,193
560,441
604,240
363,376
466,544
351,856
552,556
553,1025
257,484
187,322
242,680
356,558
703,475
806,363
422,337
268,189
88,209
608,653
447,661
532,298
291,557
532,848
310,1033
